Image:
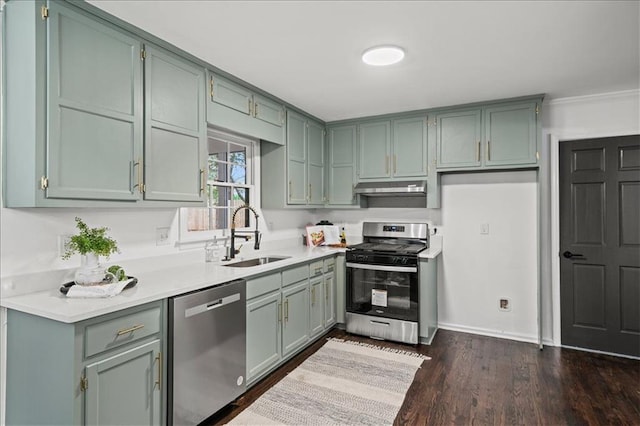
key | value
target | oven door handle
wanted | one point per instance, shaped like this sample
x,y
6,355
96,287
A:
x,y
382,267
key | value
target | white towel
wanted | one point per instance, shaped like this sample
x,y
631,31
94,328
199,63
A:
x,y
102,290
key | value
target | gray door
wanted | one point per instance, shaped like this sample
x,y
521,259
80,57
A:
x,y
600,244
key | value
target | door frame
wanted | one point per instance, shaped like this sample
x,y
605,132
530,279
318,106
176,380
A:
x,y
554,182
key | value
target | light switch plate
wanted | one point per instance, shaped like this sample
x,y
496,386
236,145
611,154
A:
x,y
162,236
484,228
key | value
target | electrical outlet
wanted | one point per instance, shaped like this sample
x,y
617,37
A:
x,y
484,228
504,305
63,242
162,236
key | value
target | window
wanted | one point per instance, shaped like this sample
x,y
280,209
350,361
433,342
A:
x,y
229,185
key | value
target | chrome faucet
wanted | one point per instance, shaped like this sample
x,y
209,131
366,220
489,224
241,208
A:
x,y
258,235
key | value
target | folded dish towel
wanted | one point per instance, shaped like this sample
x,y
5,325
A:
x,y
103,290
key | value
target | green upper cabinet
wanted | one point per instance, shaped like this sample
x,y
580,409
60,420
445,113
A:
x,y
315,163
305,160
175,129
239,109
375,147
393,149
495,136
297,158
95,110
341,165
74,132
510,134
410,147
458,138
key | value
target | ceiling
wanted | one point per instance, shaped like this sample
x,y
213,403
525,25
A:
x,y
308,52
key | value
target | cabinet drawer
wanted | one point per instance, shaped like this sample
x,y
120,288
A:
x,y
263,285
329,265
120,331
315,268
294,275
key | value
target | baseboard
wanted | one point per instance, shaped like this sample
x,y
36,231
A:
x,y
489,333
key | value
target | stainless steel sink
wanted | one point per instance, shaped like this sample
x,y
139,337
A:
x,y
256,261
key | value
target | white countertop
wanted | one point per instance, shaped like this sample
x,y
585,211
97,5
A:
x,y
162,283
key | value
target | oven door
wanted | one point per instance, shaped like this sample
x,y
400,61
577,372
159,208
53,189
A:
x,y
383,290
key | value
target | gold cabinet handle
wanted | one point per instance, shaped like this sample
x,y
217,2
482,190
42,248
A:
x,y
395,163
202,181
129,330
313,296
211,87
386,164
279,312
159,379
326,292
140,184
255,109
478,151
286,310
290,189
250,107
309,196
488,151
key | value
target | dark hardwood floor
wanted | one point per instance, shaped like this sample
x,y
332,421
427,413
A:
x,y
474,379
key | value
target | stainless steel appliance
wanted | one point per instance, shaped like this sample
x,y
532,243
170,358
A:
x,y
383,281
207,346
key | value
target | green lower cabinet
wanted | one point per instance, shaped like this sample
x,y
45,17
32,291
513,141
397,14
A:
x,y
295,323
106,370
125,388
264,338
317,306
329,284
428,294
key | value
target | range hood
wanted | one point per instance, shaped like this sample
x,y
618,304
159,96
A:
x,y
382,189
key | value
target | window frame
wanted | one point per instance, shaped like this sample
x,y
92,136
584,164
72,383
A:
x,y
253,184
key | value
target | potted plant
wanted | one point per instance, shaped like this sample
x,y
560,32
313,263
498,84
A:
x,y
91,243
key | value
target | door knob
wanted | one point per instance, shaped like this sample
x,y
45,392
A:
x,y
568,255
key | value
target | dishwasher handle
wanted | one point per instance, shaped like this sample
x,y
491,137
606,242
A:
x,y
211,305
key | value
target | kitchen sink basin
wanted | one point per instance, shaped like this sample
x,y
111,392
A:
x,y
256,261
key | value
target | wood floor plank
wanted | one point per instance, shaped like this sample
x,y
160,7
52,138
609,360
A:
x,y
482,380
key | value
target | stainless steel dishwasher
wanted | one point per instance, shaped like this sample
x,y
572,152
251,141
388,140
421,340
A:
x,y
206,348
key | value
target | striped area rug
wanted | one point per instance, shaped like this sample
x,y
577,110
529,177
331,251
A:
x,y
343,383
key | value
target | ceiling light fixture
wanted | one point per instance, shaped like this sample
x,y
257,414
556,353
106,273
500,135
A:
x,y
383,55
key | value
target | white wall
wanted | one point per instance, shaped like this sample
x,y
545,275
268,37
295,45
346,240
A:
x,y
476,270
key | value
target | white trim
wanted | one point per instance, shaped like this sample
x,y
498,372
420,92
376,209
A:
x,y
533,338
554,182
594,97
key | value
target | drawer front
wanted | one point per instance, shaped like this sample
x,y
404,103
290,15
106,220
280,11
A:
x,y
119,331
329,265
294,275
315,268
263,285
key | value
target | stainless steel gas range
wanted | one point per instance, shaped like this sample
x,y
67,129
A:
x,y
383,281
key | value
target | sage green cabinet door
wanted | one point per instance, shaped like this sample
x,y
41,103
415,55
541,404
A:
x,y
175,139
315,162
329,298
510,134
296,158
268,111
317,306
94,81
458,138
410,147
342,164
295,324
229,94
264,340
375,149
125,389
